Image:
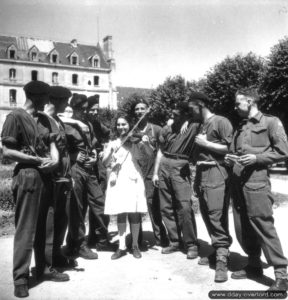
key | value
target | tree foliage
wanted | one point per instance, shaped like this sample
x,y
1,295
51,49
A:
x,y
274,86
225,78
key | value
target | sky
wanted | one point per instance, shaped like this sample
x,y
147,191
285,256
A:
x,y
154,39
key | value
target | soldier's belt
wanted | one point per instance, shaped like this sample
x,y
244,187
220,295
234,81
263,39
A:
x,y
176,156
206,163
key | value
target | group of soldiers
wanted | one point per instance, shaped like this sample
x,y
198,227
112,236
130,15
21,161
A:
x,y
59,174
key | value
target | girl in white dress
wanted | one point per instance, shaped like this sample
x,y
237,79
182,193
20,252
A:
x,y
125,193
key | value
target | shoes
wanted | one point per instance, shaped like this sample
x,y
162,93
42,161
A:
x,y
248,272
119,253
106,246
136,252
70,252
61,261
54,275
170,249
21,290
221,271
192,252
87,253
280,284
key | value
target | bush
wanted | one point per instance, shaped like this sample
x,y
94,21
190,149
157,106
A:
x,y
6,199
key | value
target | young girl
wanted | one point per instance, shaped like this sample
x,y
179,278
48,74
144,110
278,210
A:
x,y
125,192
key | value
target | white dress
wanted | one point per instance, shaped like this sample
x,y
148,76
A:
x,y
125,191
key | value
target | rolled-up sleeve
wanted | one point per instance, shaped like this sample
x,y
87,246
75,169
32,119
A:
x,y
10,132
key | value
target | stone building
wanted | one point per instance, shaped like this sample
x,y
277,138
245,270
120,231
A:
x,y
85,69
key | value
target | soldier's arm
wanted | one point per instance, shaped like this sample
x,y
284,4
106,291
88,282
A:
x,y
50,164
155,178
279,144
18,156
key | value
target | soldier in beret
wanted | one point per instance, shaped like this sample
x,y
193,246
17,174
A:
x,y
172,176
62,182
86,189
102,134
211,180
28,137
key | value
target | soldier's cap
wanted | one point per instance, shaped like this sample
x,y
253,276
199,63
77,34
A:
x,y
194,96
37,89
59,93
92,100
78,100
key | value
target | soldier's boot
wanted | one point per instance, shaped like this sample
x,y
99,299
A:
x,y
221,270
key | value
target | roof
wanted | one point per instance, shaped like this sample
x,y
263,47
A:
x,y
125,92
24,44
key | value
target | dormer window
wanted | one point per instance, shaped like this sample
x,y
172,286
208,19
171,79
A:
x,y
12,52
54,57
33,53
74,59
95,61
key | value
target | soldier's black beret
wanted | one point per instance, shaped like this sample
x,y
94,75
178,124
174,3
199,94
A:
x,y
92,100
193,96
59,93
78,100
37,88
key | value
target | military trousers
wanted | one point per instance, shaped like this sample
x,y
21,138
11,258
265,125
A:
x,y
253,219
57,219
86,192
94,235
32,196
211,187
175,193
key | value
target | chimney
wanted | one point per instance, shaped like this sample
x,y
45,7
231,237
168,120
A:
x,y
74,43
107,47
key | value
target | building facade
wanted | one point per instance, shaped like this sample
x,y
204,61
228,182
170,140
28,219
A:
x,y
84,69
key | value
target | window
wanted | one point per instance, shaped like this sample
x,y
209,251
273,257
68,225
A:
x,y
89,82
12,74
74,60
95,62
75,79
33,56
55,77
12,97
96,80
12,54
34,75
54,58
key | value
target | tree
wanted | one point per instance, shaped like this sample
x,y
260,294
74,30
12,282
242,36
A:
x,y
227,77
274,87
165,96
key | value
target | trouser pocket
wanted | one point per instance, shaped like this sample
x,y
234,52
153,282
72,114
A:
x,y
258,199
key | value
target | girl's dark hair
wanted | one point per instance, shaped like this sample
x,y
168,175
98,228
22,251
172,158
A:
x,y
124,116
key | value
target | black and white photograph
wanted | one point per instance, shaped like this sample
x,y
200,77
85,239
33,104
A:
x,y
143,149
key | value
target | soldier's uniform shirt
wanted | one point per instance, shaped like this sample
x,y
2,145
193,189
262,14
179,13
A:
x,y
86,189
264,136
174,183
218,130
31,189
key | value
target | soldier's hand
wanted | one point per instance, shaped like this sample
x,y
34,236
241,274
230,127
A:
x,y
48,165
230,159
145,139
201,140
247,159
184,128
155,180
81,157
